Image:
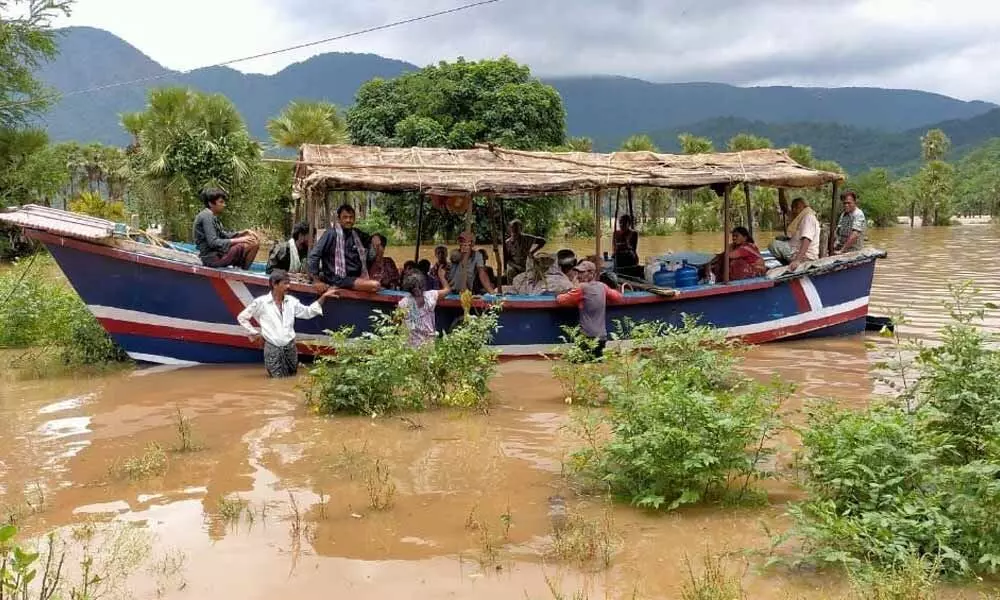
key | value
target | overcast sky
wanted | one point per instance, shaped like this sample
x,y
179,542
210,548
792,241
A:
x,y
946,46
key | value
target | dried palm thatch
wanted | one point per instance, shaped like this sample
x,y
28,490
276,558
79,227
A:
x,y
511,173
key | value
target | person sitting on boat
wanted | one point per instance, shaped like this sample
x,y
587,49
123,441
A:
x,y
467,267
418,306
491,275
566,259
519,247
433,281
218,247
440,260
276,313
339,258
626,245
745,259
851,226
544,277
591,297
382,268
804,243
291,254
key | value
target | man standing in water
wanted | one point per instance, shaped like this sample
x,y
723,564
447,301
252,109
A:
x,y
218,247
851,227
276,313
340,258
592,298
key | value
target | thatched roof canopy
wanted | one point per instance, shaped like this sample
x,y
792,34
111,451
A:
x,y
511,173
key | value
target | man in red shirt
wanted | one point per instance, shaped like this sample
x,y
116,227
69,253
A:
x,y
592,298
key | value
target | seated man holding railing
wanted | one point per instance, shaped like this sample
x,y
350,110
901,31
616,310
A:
x,y
218,247
339,259
803,245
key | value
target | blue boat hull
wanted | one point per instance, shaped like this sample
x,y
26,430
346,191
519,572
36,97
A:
x,y
169,312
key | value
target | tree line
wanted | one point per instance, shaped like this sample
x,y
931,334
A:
x,y
184,140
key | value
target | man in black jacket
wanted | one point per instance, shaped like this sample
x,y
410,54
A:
x,y
340,258
290,255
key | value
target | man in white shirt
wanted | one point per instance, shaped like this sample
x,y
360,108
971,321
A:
x,y
276,313
804,243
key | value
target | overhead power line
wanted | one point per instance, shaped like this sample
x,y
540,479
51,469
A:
x,y
233,61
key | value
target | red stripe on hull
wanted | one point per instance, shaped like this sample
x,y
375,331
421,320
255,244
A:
x,y
807,327
799,294
192,335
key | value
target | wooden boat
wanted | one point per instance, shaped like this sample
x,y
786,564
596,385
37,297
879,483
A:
x,y
162,306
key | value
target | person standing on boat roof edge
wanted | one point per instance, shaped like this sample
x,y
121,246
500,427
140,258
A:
x,y
592,298
851,226
218,247
804,243
291,255
276,313
626,247
339,259
519,247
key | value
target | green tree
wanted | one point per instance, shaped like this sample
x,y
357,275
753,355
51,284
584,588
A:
x,y
747,141
934,192
876,189
26,41
459,105
184,141
801,154
307,122
692,144
934,145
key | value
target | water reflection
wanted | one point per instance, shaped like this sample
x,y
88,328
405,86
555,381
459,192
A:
x,y
262,445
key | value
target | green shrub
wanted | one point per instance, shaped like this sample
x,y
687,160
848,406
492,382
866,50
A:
x,y
577,372
579,222
90,203
38,312
379,372
698,216
684,427
918,477
658,228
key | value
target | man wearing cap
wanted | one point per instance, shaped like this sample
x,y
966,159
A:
x,y
544,277
592,298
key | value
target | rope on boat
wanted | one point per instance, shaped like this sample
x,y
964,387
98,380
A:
x,y
17,283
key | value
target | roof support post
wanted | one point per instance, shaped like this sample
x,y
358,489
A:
x,y
597,222
503,255
492,215
833,218
783,207
726,197
746,192
420,226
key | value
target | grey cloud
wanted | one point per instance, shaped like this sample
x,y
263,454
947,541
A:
x,y
735,41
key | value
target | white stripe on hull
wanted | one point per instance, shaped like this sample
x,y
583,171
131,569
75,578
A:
x,y
829,311
812,294
161,360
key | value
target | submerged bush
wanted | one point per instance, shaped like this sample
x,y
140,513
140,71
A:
x,y
917,477
379,372
38,312
684,427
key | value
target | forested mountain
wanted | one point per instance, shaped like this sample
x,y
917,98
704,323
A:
x,y
858,127
855,148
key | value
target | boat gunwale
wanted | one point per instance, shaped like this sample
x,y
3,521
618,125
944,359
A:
x,y
515,302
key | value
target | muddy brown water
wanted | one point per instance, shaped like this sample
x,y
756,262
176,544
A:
x,y
59,437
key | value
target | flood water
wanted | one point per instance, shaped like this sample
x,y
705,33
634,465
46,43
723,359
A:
x,y
59,438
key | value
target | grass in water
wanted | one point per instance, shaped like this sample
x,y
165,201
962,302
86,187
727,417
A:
x,y
231,509
378,482
151,463
185,434
713,583
586,542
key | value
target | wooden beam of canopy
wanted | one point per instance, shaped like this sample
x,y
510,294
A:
x,y
513,173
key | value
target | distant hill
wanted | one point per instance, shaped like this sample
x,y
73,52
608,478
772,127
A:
x,y
856,126
855,148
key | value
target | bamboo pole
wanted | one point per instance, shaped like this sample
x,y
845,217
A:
x,y
492,213
746,192
503,255
783,207
726,196
833,218
420,227
597,222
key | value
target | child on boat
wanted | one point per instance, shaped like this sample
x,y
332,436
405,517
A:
x,y
592,297
418,306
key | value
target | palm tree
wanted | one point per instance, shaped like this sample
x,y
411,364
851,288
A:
x,y
692,144
307,122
